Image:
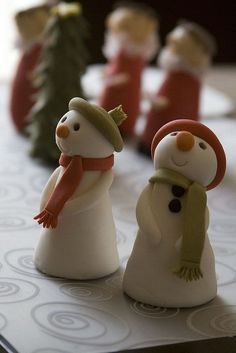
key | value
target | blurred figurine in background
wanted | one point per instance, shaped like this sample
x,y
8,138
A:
x,y
30,24
79,239
131,41
185,59
57,77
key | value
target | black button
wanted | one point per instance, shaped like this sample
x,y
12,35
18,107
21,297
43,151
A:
x,y
175,206
177,191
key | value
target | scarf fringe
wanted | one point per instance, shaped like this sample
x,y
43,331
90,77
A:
x,y
47,219
189,272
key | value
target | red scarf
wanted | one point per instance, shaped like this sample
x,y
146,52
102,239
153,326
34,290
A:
x,y
74,168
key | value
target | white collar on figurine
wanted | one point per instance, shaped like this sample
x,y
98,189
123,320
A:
x,y
169,62
114,43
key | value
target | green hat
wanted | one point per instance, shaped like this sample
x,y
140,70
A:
x,y
106,122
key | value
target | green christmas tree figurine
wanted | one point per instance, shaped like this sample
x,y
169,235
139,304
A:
x,y
57,77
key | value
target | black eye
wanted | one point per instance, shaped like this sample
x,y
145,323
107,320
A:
x,y
63,119
76,126
202,145
173,133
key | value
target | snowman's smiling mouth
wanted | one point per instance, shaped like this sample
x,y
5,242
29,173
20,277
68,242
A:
x,y
178,164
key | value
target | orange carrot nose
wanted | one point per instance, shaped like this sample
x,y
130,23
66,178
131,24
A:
x,y
185,141
62,131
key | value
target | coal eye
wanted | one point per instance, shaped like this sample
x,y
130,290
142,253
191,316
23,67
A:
x,y
202,145
173,133
63,119
76,126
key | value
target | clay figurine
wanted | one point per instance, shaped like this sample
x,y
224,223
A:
x,y
172,263
185,59
57,77
30,24
131,41
79,238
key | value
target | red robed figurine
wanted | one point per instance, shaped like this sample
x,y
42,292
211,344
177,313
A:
x,y
185,59
30,24
131,41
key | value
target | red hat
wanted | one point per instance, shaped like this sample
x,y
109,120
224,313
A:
x,y
199,130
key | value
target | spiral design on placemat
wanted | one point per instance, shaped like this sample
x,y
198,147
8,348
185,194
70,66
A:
x,y
85,291
26,262
80,324
14,290
225,323
153,312
12,220
225,274
72,321
214,321
8,289
21,261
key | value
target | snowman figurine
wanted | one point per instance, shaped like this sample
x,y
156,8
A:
x,y
172,263
79,238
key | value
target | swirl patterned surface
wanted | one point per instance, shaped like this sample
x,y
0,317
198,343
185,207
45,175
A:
x,y
13,290
79,323
152,311
65,316
86,291
21,261
221,321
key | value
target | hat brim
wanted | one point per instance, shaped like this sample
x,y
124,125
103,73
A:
x,y
100,118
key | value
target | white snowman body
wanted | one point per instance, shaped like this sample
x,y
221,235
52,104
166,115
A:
x,y
83,245
149,276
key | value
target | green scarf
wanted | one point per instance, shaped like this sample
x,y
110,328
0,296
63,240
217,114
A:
x,y
193,222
